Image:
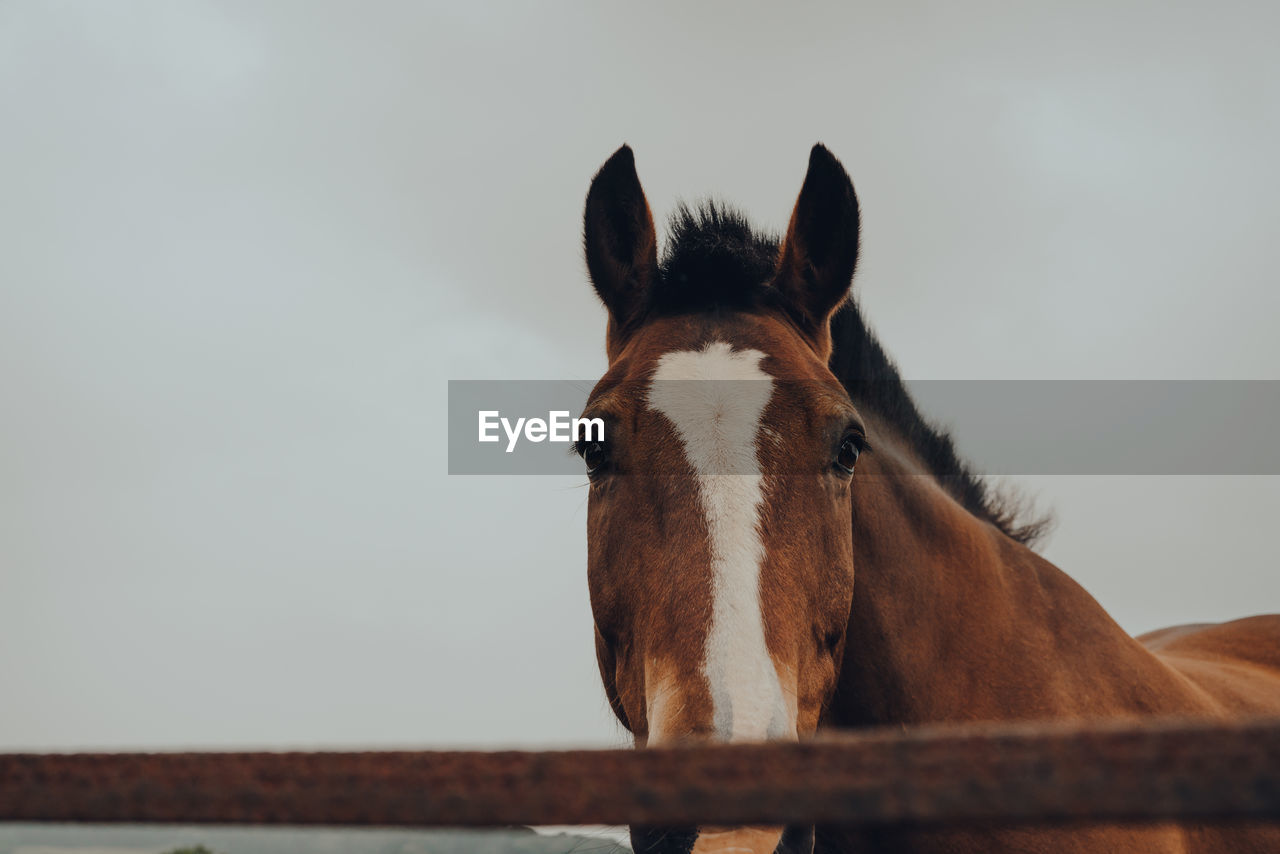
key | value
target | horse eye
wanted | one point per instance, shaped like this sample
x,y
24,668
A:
x,y
595,455
848,454
833,639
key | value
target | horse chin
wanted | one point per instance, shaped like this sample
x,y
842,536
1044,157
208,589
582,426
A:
x,y
738,840
715,840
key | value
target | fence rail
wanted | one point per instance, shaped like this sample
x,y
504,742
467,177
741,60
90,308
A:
x,y
928,775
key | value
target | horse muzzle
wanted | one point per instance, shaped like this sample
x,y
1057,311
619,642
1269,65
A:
x,y
722,840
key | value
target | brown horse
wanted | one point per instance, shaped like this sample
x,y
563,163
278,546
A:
x,y
749,581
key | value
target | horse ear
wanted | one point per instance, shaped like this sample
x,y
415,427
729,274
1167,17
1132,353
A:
x,y
619,238
820,250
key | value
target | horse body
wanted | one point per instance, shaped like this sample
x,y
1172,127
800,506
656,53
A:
x,y
747,583
954,621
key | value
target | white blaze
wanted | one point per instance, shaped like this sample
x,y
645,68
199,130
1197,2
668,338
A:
x,y
715,398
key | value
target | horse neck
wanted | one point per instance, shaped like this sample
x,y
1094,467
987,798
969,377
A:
x,y
953,620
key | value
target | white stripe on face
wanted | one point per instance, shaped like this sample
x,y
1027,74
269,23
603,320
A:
x,y
717,417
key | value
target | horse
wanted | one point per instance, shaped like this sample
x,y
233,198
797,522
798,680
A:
x,y
779,542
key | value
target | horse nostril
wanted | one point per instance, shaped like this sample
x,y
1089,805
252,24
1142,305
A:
x,y
796,840
663,840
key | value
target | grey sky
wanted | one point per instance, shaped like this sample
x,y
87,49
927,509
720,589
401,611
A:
x,y
246,244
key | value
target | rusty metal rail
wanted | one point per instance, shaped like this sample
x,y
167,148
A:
x,y
927,775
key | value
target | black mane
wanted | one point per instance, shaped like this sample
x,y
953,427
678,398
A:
x,y
715,259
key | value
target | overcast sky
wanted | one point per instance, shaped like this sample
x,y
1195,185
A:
x,y
246,244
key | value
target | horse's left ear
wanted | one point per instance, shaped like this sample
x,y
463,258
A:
x,y
618,236
820,250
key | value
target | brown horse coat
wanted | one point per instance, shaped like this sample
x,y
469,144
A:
x,y
778,542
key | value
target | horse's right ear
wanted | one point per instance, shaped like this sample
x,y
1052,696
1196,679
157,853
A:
x,y
619,238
